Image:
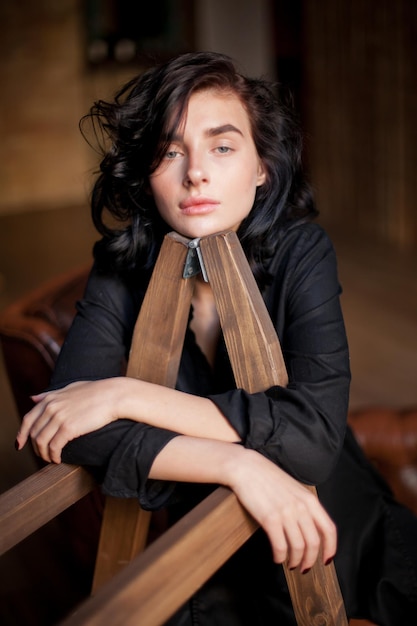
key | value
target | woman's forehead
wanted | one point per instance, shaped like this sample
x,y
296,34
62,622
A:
x,y
210,101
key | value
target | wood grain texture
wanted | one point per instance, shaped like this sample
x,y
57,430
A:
x,y
252,343
154,356
38,499
257,363
159,332
155,584
123,535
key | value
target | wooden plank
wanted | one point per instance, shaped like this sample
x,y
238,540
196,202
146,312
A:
x,y
252,343
257,363
155,355
38,499
159,332
156,583
123,535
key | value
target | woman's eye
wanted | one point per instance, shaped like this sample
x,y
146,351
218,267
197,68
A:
x,y
171,154
223,149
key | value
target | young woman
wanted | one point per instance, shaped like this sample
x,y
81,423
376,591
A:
x,y
195,147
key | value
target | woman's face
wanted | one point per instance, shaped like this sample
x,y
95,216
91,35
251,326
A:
x,y
207,180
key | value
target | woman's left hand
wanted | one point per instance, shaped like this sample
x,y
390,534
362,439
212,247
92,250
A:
x,y
62,415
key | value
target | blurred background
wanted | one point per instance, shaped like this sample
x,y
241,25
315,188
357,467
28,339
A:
x,y
351,65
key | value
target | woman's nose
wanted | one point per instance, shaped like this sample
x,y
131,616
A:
x,y
196,172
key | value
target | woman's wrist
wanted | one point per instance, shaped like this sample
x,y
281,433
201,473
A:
x,y
126,398
234,464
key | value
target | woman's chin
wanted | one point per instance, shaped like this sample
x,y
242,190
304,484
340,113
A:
x,y
195,231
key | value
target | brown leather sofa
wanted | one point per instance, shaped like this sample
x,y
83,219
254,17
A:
x,y
33,328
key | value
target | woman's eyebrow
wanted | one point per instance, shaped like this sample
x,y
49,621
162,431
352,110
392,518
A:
x,y
220,130
211,132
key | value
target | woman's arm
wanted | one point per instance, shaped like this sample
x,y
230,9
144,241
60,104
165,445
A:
x,y
300,427
293,518
80,408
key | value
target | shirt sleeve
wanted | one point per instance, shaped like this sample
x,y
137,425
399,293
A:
x,y
121,453
301,427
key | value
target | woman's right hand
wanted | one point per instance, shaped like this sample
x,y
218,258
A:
x,y
64,414
296,523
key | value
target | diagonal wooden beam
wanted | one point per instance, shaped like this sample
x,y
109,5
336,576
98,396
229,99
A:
x,y
258,364
155,355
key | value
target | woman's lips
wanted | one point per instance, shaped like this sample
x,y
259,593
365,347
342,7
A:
x,y
198,206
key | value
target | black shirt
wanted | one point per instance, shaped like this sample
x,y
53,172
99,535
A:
x,y
302,428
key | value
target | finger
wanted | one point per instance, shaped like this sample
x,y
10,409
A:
x,y
39,444
44,427
278,543
46,431
41,447
27,424
35,448
50,443
44,418
56,445
312,543
55,433
39,396
296,544
328,532
323,525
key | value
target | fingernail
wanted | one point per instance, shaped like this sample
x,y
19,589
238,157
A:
x,y
305,571
16,445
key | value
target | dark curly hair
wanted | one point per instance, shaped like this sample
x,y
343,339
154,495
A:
x,y
134,131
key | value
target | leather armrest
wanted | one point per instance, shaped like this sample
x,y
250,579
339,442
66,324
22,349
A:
x,y
389,439
32,330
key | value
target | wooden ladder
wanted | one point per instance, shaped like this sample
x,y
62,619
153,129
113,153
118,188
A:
x,y
257,363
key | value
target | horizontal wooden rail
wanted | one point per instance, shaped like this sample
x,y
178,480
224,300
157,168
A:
x,y
38,499
158,581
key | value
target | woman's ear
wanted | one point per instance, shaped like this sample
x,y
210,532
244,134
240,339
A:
x,y
261,174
